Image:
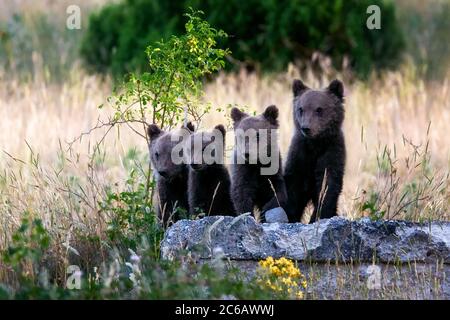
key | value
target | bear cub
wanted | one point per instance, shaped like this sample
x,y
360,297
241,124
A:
x,y
171,178
209,181
315,163
256,178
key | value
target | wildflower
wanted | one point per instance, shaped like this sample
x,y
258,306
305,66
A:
x,y
193,44
282,276
134,257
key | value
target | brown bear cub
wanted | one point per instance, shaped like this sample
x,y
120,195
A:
x,y
315,163
209,181
171,177
257,178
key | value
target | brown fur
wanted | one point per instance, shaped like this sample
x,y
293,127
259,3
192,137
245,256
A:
x,y
209,184
317,147
248,187
171,179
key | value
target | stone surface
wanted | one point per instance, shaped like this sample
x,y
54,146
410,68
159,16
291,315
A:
x,y
336,239
276,215
367,281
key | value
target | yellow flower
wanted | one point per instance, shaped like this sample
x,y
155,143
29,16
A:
x,y
287,281
193,44
282,275
275,271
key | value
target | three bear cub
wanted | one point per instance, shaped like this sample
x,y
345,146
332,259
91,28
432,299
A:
x,y
313,171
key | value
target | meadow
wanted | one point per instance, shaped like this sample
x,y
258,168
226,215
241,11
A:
x,y
396,125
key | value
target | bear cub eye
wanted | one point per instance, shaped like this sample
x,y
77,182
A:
x,y
319,111
301,110
156,155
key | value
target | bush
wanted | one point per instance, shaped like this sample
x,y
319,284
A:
x,y
118,35
266,33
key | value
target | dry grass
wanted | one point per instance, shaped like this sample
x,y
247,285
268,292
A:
x,y
395,128
380,113
37,121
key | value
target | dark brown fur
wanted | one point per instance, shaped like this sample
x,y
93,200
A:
x,y
249,188
317,147
209,184
171,179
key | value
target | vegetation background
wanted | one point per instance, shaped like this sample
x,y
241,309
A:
x,y
66,201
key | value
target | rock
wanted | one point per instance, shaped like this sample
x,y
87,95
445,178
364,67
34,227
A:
x,y
367,280
276,215
335,239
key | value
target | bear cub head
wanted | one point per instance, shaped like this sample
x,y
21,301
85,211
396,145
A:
x,y
256,136
206,149
161,147
318,113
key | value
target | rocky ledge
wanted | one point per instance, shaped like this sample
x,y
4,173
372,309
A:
x,y
328,240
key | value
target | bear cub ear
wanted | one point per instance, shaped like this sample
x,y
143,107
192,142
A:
x,y
153,131
298,87
237,115
337,88
222,130
189,126
271,115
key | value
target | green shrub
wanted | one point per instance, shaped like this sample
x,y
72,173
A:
x,y
266,33
132,218
28,245
118,35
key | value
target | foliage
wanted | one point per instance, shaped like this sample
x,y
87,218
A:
x,y
174,80
118,35
265,33
131,216
371,206
29,242
25,256
139,275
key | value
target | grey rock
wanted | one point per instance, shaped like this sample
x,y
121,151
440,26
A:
x,y
276,215
335,239
367,280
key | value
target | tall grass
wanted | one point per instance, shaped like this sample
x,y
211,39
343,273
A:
x,y
396,131
394,112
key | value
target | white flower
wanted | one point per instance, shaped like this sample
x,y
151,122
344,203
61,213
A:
x,y
134,257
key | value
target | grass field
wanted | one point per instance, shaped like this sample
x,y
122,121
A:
x,y
396,130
